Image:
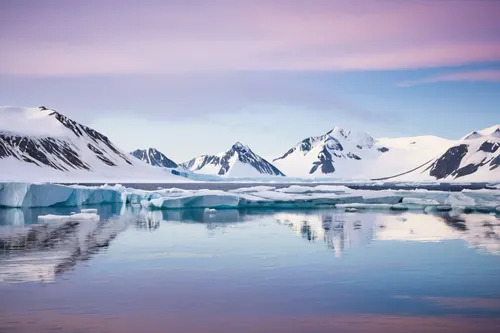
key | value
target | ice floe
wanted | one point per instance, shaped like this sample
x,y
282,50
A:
x,y
50,195
73,217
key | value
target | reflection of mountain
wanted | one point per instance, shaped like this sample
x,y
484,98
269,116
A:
x,y
337,229
40,252
342,231
480,231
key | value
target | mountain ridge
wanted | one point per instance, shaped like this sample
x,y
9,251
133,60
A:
x,y
154,157
45,144
239,156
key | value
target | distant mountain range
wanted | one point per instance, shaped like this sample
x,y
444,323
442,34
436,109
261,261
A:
x,y
44,145
346,154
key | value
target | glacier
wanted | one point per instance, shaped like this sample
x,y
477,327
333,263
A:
x,y
48,195
24,195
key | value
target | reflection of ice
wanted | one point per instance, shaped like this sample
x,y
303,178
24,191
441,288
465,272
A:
x,y
12,217
480,231
341,231
149,220
338,230
414,227
39,252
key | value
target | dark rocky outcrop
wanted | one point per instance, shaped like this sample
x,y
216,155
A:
x,y
154,157
449,162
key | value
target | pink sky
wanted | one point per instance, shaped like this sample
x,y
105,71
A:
x,y
115,37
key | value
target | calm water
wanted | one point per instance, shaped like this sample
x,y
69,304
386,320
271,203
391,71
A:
x,y
254,271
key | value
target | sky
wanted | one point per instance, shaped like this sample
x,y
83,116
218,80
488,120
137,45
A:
x,y
192,77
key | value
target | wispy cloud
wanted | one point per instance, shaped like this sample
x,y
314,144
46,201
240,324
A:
x,y
153,36
468,76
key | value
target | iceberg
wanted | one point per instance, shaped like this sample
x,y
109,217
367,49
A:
x,y
21,195
48,195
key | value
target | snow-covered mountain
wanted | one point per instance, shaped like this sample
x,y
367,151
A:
x,y
239,162
154,157
475,157
42,145
39,144
346,154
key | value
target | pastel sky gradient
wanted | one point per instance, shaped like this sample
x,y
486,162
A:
x,y
193,76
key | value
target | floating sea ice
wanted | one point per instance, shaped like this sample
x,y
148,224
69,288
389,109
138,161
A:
x,y
460,200
253,189
67,218
364,206
420,201
298,189
88,211
210,211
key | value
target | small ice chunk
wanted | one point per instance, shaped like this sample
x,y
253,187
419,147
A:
x,y
89,211
460,200
210,211
67,218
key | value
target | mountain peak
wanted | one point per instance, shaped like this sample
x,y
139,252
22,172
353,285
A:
x,y
239,161
239,146
493,130
154,157
338,130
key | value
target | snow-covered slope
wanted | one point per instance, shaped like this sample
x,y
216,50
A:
x,y
238,162
341,153
39,144
154,157
474,158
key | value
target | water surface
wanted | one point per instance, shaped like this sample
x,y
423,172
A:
x,y
254,271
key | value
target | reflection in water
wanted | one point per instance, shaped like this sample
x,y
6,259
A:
x,y
40,252
30,251
151,270
26,216
63,247
340,230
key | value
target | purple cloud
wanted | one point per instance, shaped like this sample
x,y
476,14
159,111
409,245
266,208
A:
x,y
57,37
